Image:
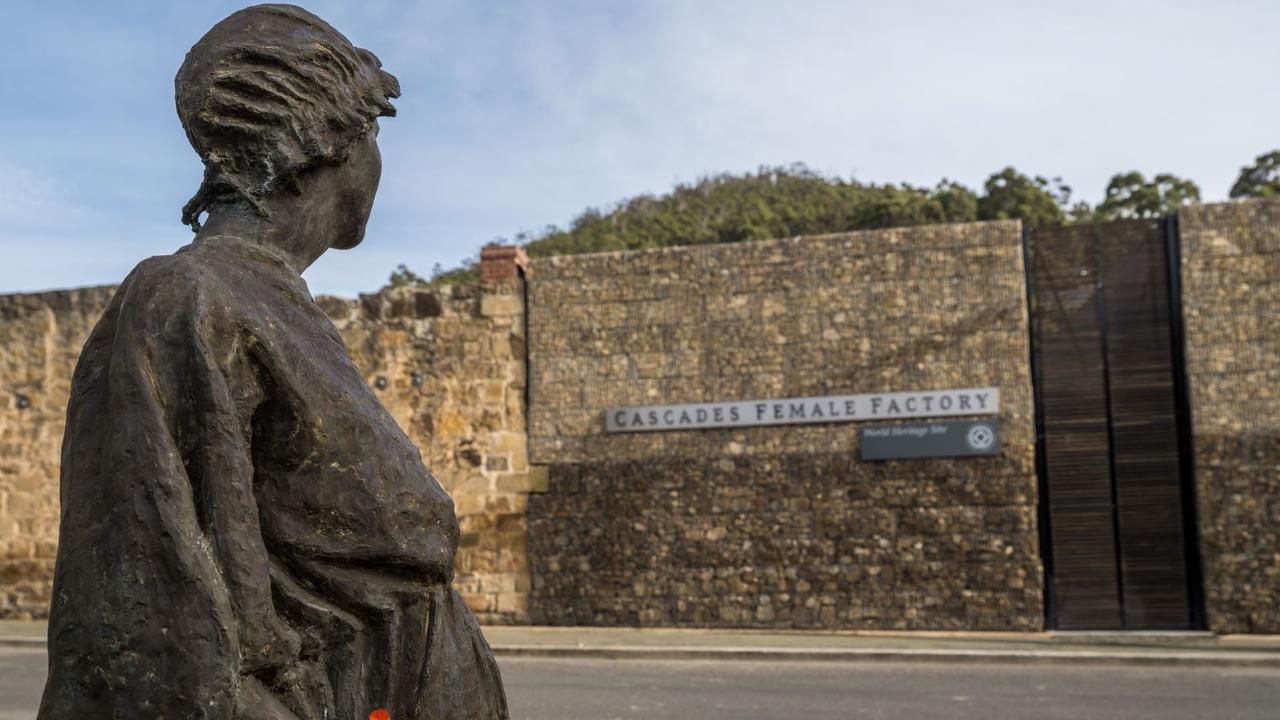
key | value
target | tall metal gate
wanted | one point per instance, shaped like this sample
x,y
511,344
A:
x,y
1116,510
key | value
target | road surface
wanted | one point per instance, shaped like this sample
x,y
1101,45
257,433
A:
x,y
578,689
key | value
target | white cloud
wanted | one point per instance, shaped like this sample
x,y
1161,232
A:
x,y
527,114
519,114
27,200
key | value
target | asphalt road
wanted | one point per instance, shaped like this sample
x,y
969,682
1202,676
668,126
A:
x,y
554,689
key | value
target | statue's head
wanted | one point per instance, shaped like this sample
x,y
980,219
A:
x,y
273,92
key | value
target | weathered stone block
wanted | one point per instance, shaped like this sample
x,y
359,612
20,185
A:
x,y
513,483
501,305
539,478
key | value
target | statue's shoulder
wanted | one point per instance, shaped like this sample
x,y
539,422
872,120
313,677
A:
x,y
188,282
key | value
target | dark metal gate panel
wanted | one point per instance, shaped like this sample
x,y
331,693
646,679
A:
x,y
1067,326
1144,430
1111,464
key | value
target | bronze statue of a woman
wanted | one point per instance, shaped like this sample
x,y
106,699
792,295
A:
x,y
246,532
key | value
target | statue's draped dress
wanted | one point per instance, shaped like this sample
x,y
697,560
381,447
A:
x,y
246,532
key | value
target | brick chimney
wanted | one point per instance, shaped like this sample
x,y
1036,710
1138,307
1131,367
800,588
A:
x,y
502,262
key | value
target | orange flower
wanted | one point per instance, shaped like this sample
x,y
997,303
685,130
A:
x,y
379,714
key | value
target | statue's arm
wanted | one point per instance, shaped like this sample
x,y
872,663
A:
x,y
162,555
218,393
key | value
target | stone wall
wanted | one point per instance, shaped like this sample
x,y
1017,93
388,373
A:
x,y
755,527
781,526
450,366
40,339
448,363
1231,306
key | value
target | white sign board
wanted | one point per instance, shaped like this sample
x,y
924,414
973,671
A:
x,y
797,411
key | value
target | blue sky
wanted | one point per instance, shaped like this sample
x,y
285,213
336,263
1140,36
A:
x,y
517,115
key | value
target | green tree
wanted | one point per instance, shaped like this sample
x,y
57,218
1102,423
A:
x,y
402,276
959,203
1080,212
467,271
1130,195
1036,201
1261,179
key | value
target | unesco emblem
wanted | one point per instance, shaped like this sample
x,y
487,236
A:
x,y
981,437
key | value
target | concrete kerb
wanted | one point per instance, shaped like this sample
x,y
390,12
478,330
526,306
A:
x,y
932,655
21,642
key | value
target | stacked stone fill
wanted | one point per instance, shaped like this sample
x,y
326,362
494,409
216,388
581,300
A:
x,y
1231,305
781,526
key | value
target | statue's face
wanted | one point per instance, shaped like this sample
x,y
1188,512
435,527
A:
x,y
359,183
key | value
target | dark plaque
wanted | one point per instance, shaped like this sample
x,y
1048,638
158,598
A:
x,y
927,440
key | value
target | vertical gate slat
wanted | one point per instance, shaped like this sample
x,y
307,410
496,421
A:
x,y
1144,427
1076,448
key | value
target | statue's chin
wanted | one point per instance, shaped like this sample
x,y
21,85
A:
x,y
349,243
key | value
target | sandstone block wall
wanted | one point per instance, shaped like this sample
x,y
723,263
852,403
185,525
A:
x,y
781,526
449,363
1231,306
40,339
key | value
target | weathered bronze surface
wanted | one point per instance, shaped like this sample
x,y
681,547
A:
x,y
246,532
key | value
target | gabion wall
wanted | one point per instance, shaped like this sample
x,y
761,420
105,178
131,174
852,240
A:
x,y
1231,306
781,526
40,339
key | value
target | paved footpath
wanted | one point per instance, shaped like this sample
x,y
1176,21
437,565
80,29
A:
x,y
1058,648
1192,649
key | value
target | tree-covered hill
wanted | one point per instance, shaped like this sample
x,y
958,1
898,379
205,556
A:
x,y
787,201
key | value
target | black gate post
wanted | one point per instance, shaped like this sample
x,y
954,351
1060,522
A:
x,y
1182,402
1043,517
